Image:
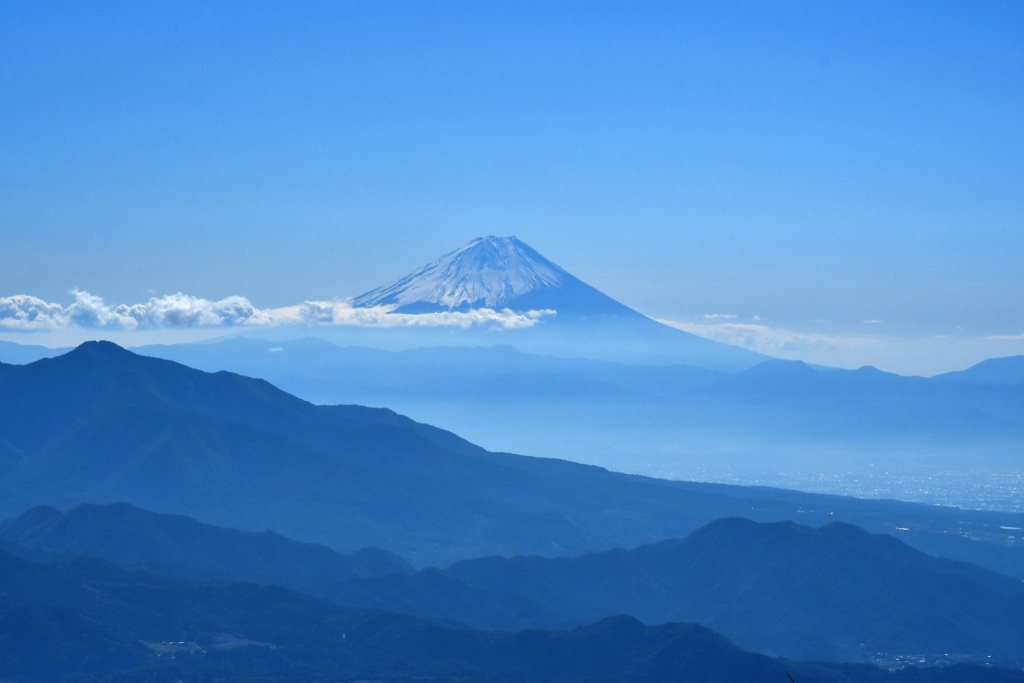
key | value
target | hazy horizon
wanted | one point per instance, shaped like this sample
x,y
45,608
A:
x,y
834,183
446,339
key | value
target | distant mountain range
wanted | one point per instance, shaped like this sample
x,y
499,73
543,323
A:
x,y
101,424
139,494
657,419
101,432
602,384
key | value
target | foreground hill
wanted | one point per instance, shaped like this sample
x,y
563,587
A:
x,y
85,619
835,593
101,424
177,544
181,546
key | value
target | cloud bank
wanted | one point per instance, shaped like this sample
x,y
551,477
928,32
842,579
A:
x,y
343,313
28,313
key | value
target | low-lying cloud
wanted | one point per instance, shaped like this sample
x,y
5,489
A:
x,y
176,311
23,312
28,313
920,355
343,313
770,340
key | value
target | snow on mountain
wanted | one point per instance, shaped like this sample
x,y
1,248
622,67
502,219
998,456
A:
x,y
488,272
492,272
503,272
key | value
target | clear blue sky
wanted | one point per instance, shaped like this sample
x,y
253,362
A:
x,y
814,164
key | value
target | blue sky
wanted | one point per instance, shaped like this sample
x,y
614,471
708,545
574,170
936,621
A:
x,y
806,167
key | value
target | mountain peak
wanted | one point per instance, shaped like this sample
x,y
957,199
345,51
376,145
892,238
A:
x,y
91,354
506,273
488,272
100,347
493,272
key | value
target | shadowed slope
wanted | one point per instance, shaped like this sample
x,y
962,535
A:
x,y
177,544
831,593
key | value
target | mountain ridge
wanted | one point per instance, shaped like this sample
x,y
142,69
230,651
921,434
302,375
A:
x,y
836,592
60,620
774,588
233,451
123,533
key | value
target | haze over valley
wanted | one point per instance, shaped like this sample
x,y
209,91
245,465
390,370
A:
x,y
588,379
503,342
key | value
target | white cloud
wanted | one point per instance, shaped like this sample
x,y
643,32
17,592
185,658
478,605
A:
x,y
90,311
718,316
343,313
175,311
170,311
872,322
27,313
1006,337
181,310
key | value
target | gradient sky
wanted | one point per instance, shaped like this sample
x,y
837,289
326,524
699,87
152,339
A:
x,y
852,174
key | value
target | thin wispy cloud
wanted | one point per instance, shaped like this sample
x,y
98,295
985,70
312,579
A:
x,y
767,339
924,355
719,316
178,311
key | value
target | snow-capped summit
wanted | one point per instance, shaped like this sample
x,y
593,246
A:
x,y
504,272
493,272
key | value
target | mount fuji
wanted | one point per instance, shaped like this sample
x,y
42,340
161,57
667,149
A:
x,y
498,273
506,273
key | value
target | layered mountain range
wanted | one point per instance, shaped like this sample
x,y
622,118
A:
x,y
670,420
836,593
166,523
101,432
101,424
77,618
597,382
